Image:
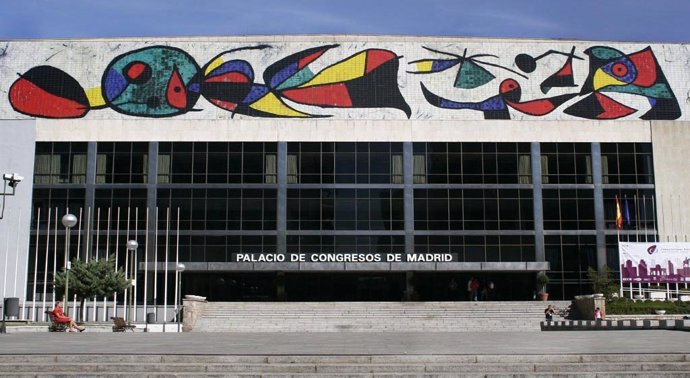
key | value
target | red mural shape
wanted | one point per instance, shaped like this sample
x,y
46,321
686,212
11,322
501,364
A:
x,y
48,92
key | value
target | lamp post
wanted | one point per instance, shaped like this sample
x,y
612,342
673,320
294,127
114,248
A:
x,y
132,246
69,221
180,268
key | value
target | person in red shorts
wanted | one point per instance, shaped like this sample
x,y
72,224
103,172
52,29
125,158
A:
x,y
60,317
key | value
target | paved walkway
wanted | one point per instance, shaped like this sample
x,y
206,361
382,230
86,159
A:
x,y
510,343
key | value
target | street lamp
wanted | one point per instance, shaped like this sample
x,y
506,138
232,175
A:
x,y
69,221
180,268
132,246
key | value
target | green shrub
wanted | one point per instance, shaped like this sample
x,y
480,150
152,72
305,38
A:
x,y
603,282
625,306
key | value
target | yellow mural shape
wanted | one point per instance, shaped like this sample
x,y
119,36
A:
x,y
602,79
424,65
346,70
271,104
213,65
95,97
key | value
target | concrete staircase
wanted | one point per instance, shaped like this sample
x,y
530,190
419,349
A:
x,y
372,316
558,365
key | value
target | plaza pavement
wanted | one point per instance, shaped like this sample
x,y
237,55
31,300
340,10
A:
x,y
349,343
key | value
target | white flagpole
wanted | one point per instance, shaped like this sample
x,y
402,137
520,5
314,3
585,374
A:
x,y
107,258
74,296
33,293
55,253
683,224
135,262
627,234
637,219
87,244
155,268
618,237
117,256
45,270
626,215
16,256
95,299
177,273
98,246
124,307
654,215
165,282
146,261
644,216
662,219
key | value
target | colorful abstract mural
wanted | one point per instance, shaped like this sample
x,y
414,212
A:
x,y
562,78
367,79
496,107
163,81
310,81
637,74
610,70
470,75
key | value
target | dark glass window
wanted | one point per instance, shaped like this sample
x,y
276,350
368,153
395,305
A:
x,y
60,200
566,163
568,209
471,163
627,163
344,163
221,209
345,209
60,163
217,163
367,244
121,163
473,209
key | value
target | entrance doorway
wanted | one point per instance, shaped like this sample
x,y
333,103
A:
x,y
355,286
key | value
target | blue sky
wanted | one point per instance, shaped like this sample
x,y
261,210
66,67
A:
x,y
620,20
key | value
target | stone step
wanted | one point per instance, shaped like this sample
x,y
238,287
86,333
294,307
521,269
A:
x,y
66,359
371,316
667,365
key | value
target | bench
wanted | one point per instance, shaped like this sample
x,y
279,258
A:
x,y
119,325
55,326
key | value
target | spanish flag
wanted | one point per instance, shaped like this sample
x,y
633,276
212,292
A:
x,y
619,215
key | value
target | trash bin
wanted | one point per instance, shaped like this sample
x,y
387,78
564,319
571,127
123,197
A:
x,y
11,308
150,318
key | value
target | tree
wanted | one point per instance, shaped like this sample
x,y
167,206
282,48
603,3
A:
x,y
602,281
97,277
542,281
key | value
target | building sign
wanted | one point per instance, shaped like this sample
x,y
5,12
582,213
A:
x,y
344,257
654,262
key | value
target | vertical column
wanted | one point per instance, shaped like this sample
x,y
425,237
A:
x,y
281,208
152,197
538,204
599,220
408,196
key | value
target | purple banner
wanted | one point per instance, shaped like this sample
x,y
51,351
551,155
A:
x,y
654,262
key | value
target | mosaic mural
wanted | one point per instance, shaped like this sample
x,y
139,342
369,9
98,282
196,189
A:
x,y
165,81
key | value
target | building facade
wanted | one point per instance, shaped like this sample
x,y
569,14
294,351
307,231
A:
x,y
341,167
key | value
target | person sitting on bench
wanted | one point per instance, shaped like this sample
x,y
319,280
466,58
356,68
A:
x,y
60,317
